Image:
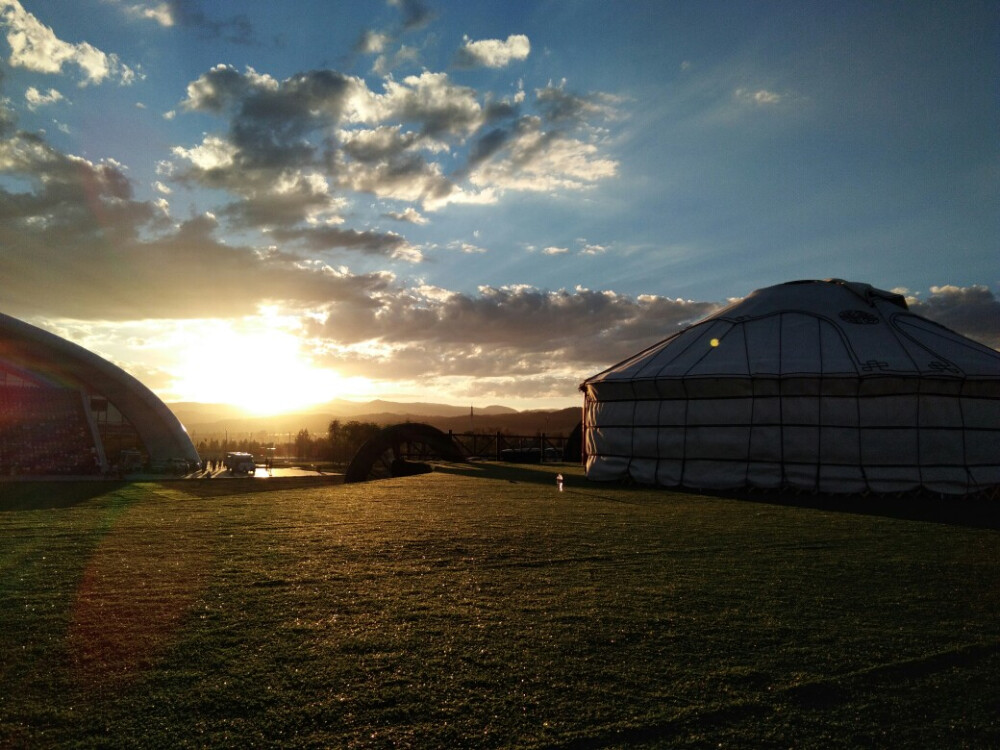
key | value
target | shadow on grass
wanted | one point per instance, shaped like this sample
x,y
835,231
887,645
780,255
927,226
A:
x,y
978,512
509,472
49,495
203,488
53,494
545,475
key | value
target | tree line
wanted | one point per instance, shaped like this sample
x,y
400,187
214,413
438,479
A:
x,y
338,445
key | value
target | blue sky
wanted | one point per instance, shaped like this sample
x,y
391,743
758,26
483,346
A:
x,y
478,202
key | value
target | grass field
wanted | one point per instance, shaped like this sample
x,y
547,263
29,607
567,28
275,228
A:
x,y
478,607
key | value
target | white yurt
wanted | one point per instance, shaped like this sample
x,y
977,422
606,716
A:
x,y
828,386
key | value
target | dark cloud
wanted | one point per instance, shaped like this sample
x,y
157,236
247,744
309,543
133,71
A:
x,y
392,144
270,121
515,322
78,244
284,202
376,145
321,238
406,176
488,145
188,273
416,14
563,107
973,311
236,29
433,102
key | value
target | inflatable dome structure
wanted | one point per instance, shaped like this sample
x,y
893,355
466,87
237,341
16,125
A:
x,y
66,411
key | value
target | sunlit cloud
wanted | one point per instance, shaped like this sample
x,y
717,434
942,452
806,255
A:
x,y
409,214
162,13
35,46
493,53
36,98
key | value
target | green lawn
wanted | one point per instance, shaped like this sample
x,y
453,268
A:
x,y
479,607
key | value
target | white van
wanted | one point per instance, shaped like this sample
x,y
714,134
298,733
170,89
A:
x,y
240,463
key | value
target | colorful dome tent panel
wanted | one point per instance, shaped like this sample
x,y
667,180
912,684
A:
x,y
827,386
44,358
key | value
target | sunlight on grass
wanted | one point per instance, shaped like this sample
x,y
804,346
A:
x,y
479,606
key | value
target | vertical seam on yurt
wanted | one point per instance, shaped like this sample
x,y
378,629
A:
x,y
920,431
858,431
632,426
819,408
753,406
781,401
684,443
887,322
969,481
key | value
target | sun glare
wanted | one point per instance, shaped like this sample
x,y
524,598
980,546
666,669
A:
x,y
260,372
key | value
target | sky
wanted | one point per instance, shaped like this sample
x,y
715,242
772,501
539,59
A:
x,y
278,204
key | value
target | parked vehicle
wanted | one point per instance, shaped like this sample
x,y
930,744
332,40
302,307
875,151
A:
x,y
240,463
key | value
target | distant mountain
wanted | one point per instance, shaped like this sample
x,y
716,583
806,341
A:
x,y
416,409
203,420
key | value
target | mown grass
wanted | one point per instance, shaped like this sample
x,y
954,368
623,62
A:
x,y
478,607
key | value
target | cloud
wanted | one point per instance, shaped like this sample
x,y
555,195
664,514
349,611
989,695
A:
x,y
385,64
493,53
162,13
555,250
432,101
372,42
563,107
579,326
388,244
235,29
590,248
97,252
392,143
467,247
416,15
759,98
519,341
36,47
973,311
410,215
529,158
36,98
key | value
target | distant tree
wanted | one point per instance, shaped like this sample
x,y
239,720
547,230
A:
x,y
303,444
345,439
335,436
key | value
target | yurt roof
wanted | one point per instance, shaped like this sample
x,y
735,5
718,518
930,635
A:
x,y
830,328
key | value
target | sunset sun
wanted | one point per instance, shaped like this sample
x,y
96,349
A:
x,y
261,372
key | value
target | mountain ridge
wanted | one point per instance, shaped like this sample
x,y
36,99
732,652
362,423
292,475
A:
x,y
206,420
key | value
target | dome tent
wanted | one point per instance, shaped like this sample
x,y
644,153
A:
x,y
42,358
827,386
